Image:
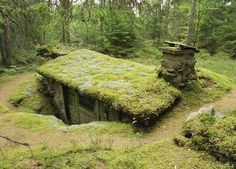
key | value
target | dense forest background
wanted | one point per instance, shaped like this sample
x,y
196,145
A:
x,y
116,27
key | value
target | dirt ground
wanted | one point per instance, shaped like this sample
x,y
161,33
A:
x,y
8,87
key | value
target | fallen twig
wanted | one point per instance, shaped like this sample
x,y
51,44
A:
x,y
17,142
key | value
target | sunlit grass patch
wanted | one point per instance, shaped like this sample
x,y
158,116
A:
x,y
159,155
37,122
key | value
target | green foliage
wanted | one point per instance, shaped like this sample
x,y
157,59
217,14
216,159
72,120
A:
x,y
24,57
216,136
110,31
147,54
116,28
217,26
119,33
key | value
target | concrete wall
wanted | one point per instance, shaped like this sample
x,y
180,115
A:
x,y
66,102
59,100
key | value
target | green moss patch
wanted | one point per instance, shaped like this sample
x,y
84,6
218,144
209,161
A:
x,y
209,87
156,155
34,122
101,127
217,80
216,136
126,86
220,63
29,96
159,155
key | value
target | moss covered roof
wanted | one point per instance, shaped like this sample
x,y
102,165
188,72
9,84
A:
x,y
126,86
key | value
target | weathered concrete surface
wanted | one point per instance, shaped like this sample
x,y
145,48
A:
x,y
178,64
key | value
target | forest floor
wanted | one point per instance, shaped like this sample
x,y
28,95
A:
x,y
102,144
164,131
167,126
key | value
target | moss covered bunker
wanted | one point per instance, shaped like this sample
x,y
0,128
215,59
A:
x,y
88,86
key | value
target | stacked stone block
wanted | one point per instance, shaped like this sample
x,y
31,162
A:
x,y
178,64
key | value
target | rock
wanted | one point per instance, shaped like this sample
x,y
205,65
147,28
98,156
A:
x,y
219,115
206,110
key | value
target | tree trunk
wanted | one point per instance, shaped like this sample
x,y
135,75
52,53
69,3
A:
x,y
191,30
66,16
7,59
199,18
2,51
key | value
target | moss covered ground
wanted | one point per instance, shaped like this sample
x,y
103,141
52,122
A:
x,y
117,145
219,63
216,136
159,155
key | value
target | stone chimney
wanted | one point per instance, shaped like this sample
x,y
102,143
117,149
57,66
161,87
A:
x,y
178,64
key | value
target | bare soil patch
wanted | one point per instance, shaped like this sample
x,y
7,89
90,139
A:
x,y
7,88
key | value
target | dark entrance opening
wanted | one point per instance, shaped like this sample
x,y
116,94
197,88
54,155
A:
x,y
66,101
